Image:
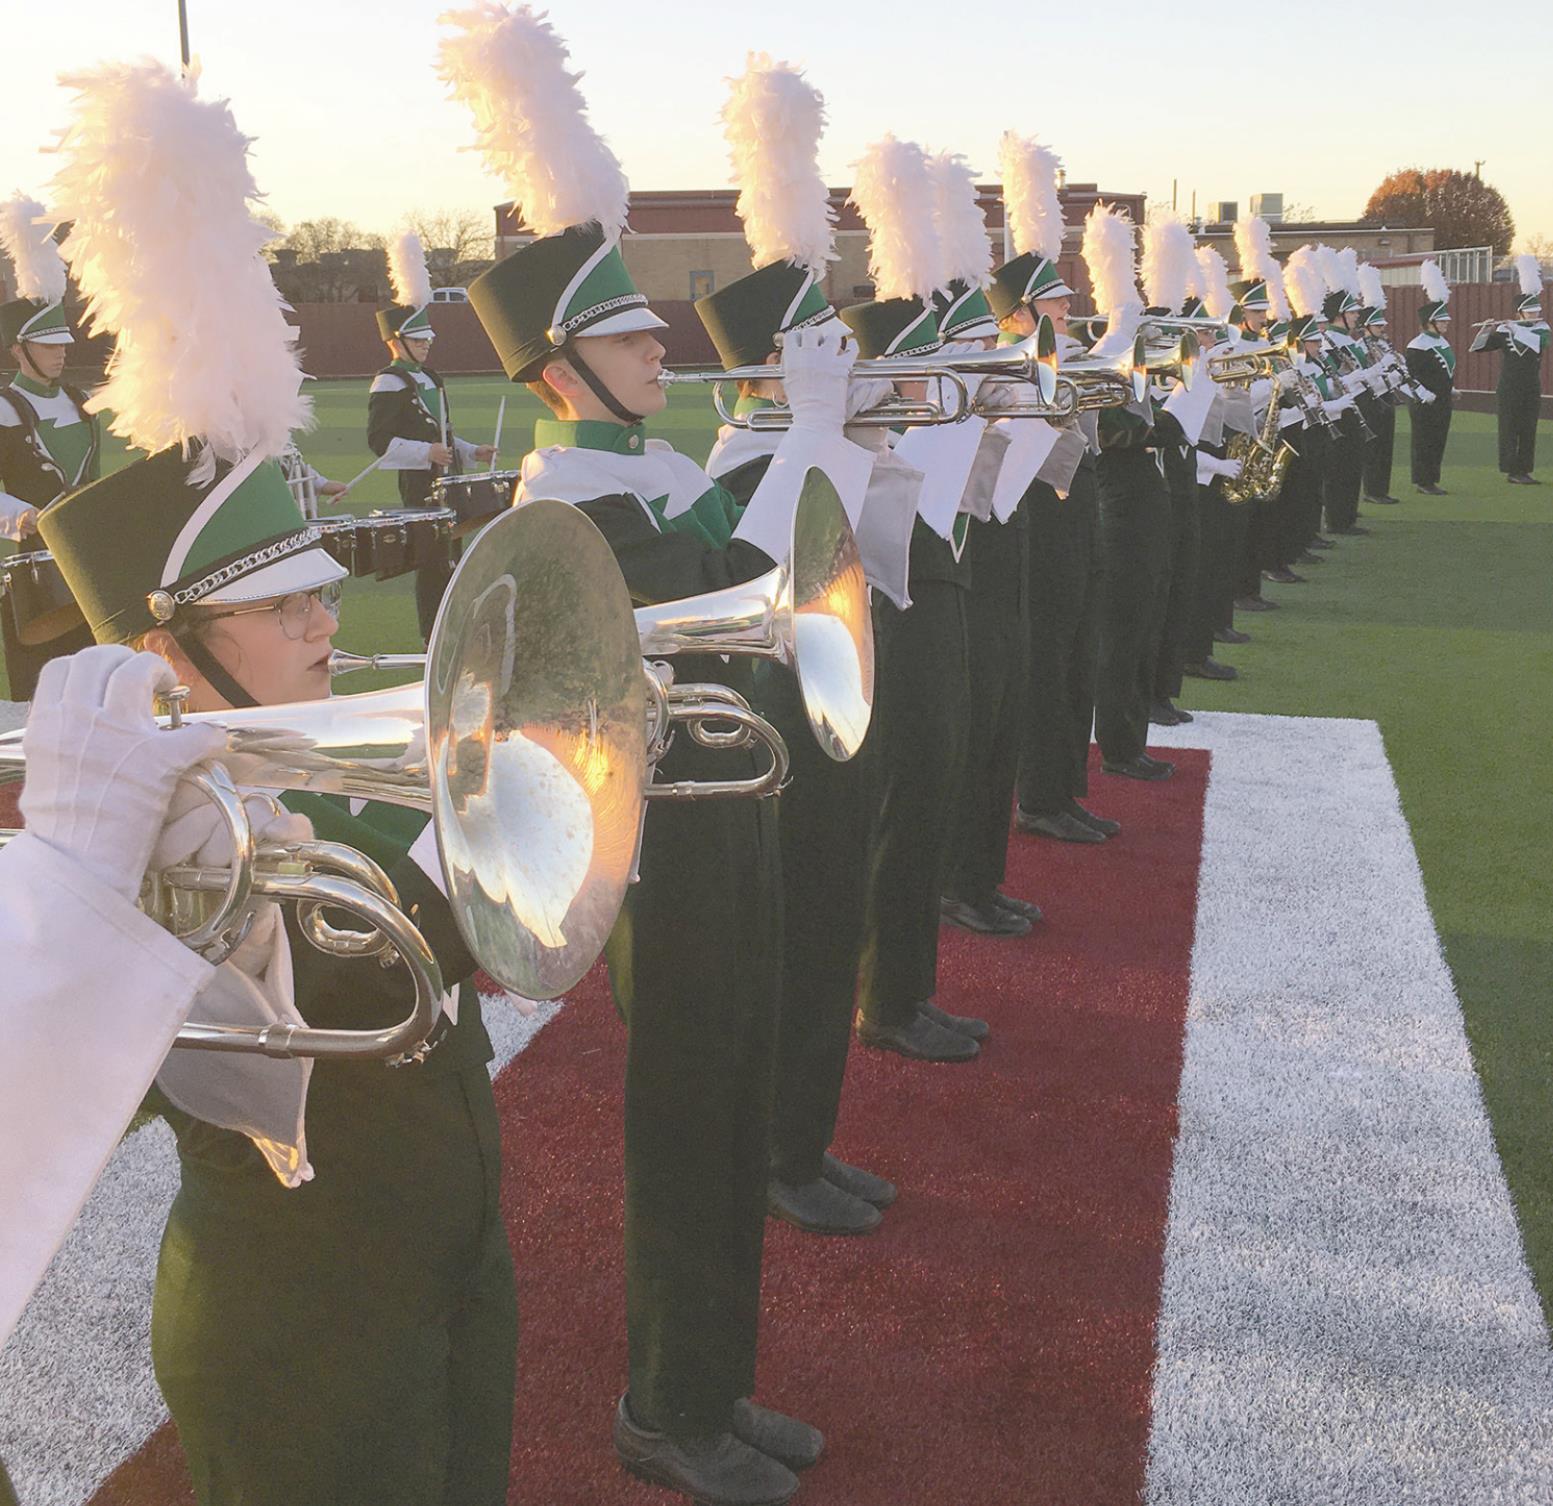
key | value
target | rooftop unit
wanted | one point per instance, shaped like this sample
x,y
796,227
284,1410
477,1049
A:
x,y
1269,206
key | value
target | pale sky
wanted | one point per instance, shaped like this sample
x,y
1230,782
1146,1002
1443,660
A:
x,y
351,121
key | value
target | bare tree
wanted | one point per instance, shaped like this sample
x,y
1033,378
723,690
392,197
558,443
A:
x,y
1540,246
458,242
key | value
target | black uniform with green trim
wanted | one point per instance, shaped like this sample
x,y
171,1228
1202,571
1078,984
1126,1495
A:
x,y
1519,395
49,446
694,962
409,402
826,819
351,1340
1432,363
1135,523
1173,613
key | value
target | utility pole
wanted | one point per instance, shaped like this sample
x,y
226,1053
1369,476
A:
x,y
1477,167
183,34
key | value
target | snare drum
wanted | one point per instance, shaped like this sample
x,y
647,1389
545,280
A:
x,y
37,599
476,498
338,537
382,547
428,533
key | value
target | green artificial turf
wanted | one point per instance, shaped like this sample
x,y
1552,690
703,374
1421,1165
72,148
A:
x,y
1439,627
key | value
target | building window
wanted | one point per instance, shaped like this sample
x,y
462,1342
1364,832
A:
x,y
702,284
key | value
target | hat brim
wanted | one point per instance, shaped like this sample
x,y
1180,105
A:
x,y
306,570
49,337
626,322
977,329
1055,290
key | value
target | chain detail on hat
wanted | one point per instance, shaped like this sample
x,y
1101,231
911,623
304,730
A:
x,y
163,604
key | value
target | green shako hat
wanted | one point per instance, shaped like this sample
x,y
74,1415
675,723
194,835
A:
x,y
37,313
1192,307
400,322
898,327
1304,327
1434,309
1251,293
963,313
235,537
1022,280
555,289
744,318
1337,303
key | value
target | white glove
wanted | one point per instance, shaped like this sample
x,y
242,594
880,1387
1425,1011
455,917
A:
x,y
100,771
816,367
863,395
1425,395
16,518
1338,405
1261,392
1229,469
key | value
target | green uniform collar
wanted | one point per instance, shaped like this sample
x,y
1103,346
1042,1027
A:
x,y
590,434
748,405
36,388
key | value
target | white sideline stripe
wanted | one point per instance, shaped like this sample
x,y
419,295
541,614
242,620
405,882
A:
x,y
1347,1315
77,1393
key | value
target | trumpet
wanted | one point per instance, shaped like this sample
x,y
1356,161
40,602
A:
x,y
1207,332
525,742
1031,362
1114,382
1179,357
947,401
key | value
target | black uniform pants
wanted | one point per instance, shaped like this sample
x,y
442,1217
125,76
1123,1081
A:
x,y
1135,524
921,706
695,963
1379,450
997,632
825,816
352,1341
1064,597
1431,429
1344,472
1222,528
1520,405
1180,589
1299,506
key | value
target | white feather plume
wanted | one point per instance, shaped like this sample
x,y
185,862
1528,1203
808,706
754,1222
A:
x,y
1348,260
407,273
1169,262
1213,282
1331,269
772,122
531,120
1372,291
1030,198
1529,272
1120,333
1306,286
165,251
1108,253
962,227
1436,289
27,234
895,196
1254,247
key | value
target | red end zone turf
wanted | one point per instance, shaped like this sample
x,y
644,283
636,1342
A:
x,y
993,1341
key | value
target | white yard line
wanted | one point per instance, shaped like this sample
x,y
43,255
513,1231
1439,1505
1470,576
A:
x,y
1347,1315
77,1394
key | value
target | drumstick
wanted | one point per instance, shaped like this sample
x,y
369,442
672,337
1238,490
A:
x,y
359,476
501,413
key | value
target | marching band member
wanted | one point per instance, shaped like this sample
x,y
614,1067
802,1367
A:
x,y
409,422
1432,364
1169,270
1211,616
49,443
1341,355
773,120
1380,448
290,1376
695,960
1524,341
922,689
997,613
1063,589
1135,517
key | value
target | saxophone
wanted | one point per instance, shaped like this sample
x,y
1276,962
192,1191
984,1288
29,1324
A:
x,y
1264,457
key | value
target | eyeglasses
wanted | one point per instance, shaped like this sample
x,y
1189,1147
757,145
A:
x,y
294,611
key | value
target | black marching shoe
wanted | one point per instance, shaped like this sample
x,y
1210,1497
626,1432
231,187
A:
x,y
1386,501
722,1470
1064,827
1102,824
968,1027
1284,577
983,917
778,1436
920,1040
1253,604
820,1207
1321,542
1211,669
1429,489
1353,531
1141,767
1230,635
861,1184
1307,557
1163,714
1525,479
1016,906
